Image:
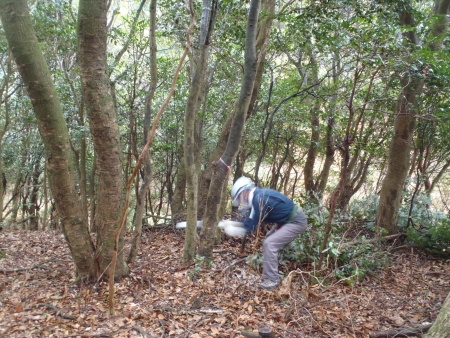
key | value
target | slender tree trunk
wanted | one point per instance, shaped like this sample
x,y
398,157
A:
x,y
330,148
33,211
146,165
353,184
83,168
190,162
44,183
308,171
19,181
241,108
6,126
92,43
92,196
329,158
262,38
20,34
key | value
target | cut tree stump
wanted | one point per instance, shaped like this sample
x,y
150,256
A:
x,y
264,332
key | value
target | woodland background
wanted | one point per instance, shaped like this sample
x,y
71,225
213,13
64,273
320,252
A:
x,y
119,115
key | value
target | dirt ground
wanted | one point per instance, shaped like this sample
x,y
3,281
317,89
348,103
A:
x,y
158,299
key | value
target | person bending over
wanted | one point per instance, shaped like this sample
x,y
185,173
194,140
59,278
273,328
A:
x,y
269,206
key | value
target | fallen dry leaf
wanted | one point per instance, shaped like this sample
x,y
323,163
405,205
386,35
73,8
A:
x,y
157,296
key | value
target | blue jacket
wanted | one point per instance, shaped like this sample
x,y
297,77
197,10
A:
x,y
269,206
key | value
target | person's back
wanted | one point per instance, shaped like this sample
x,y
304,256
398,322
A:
x,y
269,206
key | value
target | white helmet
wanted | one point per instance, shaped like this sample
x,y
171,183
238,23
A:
x,y
241,184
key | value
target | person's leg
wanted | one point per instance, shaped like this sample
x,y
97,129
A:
x,y
278,240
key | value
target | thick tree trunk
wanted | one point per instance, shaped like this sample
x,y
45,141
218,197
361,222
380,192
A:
x,y
52,127
92,38
399,155
220,174
441,327
406,110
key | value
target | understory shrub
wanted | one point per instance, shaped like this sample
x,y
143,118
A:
x,y
429,230
433,239
347,263
425,228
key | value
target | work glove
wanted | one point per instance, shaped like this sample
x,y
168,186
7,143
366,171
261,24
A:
x,y
233,229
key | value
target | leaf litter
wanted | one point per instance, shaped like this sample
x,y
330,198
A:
x,y
38,297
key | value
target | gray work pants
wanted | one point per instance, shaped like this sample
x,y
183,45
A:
x,y
277,241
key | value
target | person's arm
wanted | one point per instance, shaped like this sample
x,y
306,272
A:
x,y
251,223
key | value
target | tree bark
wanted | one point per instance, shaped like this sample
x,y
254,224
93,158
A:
x,y
190,162
441,327
180,187
5,127
405,120
92,38
308,171
146,165
221,171
262,38
53,129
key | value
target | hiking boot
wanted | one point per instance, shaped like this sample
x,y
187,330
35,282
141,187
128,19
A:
x,y
268,284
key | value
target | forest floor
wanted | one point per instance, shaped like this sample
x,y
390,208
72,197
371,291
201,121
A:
x,y
158,299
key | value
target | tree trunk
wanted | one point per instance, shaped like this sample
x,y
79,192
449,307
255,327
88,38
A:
x,y
92,43
53,129
180,187
190,162
146,165
83,168
441,327
329,158
308,171
92,196
19,181
6,126
220,173
399,154
330,148
33,211
404,125
262,38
